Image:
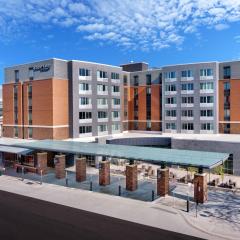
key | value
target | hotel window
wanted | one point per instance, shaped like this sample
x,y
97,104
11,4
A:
x,y
15,117
148,91
115,89
135,78
160,78
84,72
206,126
149,125
115,127
171,113
84,87
187,126
30,117
85,129
227,72
30,132
116,101
115,76
102,88
170,88
30,104
171,100
115,114
170,75
148,103
187,87
188,100
206,86
101,74
187,113
171,126
102,101
206,99
187,73
206,113
102,114
85,115
125,80
30,73
102,128
16,132
226,114
226,86
84,101
16,73
149,79
206,72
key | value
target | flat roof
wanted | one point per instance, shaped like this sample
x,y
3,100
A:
x,y
15,150
147,154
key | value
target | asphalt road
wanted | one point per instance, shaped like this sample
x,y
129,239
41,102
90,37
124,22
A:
x,y
27,218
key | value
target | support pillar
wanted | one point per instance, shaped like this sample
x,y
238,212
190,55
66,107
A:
x,y
200,187
42,162
131,177
162,181
60,164
104,173
81,169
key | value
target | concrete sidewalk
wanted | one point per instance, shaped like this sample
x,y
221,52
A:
x,y
152,214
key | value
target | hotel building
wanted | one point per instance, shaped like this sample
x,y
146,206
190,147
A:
x,y
59,99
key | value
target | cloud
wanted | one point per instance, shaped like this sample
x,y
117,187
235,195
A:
x,y
237,39
130,24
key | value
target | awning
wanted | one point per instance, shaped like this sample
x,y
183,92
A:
x,y
16,150
147,154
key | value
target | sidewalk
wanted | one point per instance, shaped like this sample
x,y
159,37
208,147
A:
x,y
152,214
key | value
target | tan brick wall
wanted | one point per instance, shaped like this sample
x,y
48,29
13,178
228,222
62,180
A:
x,y
81,169
42,162
60,166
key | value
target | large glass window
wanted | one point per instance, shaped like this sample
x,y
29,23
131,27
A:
x,y
170,88
226,86
84,72
16,72
227,72
148,79
187,73
102,128
84,101
171,100
84,87
187,126
206,126
31,73
187,113
85,115
171,126
102,114
101,74
30,132
116,101
102,101
115,89
85,129
115,76
206,99
136,80
187,86
102,88
171,113
115,114
206,86
207,72
188,100
115,127
206,113
170,75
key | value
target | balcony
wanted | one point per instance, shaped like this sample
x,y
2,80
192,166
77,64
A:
x,y
118,81
187,105
183,118
206,118
115,106
206,91
102,93
102,119
187,131
116,119
102,106
187,91
102,79
116,94
170,131
187,79
170,105
85,92
85,134
86,106
170,79
170,92
89,120
206,77
85,78
206,131
170,118
206,104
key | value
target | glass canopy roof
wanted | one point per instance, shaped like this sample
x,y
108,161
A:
x,y
146,154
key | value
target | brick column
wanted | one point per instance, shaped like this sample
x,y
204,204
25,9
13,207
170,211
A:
x,y
60,163
131,177
42,162
104,173
81,169
200,187
162,182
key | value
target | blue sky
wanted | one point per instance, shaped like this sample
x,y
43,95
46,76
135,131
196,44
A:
x,y
159,32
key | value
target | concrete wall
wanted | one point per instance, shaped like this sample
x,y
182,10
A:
x,y
212,146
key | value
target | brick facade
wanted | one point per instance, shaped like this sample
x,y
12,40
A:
x,y
162,182
60,164
200,187
131,177
42,162
104,173
81,169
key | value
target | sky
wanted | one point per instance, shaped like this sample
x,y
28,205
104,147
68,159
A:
x,y
160,32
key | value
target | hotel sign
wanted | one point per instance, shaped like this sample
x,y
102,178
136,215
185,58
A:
x,y
43,68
